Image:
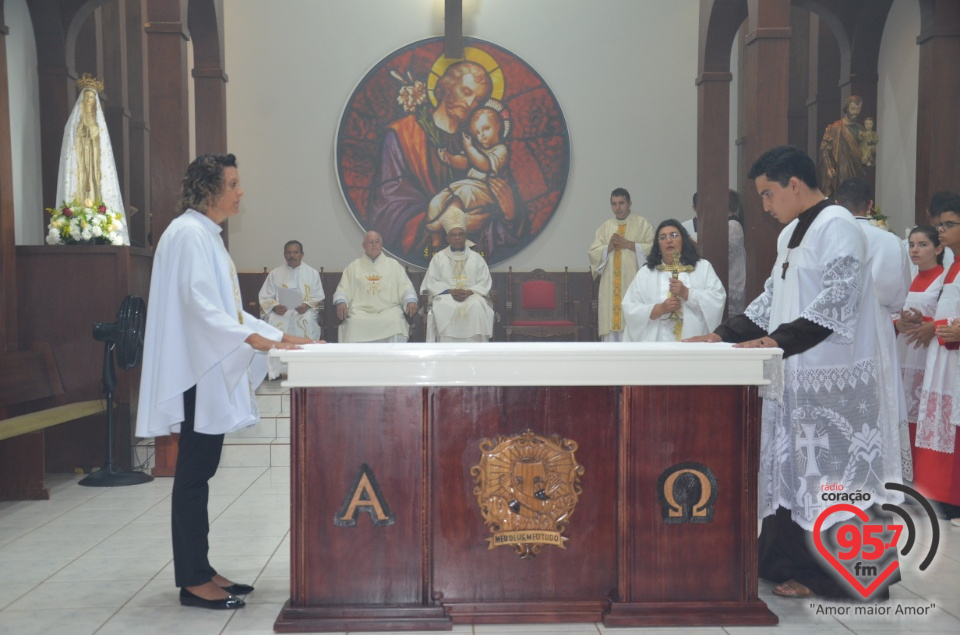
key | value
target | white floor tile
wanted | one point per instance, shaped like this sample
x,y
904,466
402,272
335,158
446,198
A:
x,y
70,595
75,621
95,560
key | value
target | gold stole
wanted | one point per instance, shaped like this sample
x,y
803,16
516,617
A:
x,y
618,283
677,316
236,291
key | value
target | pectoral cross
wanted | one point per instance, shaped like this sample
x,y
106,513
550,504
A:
x,y
783,276
677,316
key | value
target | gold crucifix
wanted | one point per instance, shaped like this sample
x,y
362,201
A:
x,y
677,316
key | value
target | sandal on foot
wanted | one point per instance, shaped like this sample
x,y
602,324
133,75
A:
x,y
792,589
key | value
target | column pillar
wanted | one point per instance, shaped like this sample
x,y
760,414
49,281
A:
x,y
767,101
166,37
938,127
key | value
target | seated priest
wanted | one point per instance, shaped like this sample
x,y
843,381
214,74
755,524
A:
x,y
458,286
374,297
676,294
291,295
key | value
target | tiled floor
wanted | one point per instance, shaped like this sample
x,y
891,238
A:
x,y
94,560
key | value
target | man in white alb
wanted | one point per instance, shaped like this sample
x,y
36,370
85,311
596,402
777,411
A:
x,y
619,249
889,263
291,295
836,420
374,297
458,285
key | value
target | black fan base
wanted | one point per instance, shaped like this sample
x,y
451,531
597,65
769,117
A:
x,y
110,478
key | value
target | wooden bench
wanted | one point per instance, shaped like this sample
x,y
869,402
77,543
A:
x,y
31,400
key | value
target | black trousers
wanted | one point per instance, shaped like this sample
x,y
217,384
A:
x,y
198,456
787,553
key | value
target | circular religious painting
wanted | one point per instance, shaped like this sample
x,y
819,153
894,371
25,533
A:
x,y
425,141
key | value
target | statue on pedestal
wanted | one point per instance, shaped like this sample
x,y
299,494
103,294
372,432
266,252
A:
x,y
87,184
841,153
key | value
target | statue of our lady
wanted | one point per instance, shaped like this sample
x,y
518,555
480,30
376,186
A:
x,y
88,173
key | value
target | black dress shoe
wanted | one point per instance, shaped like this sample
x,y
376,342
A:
x,y
238,589
229,602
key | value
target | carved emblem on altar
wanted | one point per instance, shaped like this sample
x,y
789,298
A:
x,y
527,487
687,492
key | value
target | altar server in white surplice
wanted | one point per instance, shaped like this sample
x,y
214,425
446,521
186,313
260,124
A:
x,y
458,285
299,281
374,297
619,248
836,421
676,294
203,357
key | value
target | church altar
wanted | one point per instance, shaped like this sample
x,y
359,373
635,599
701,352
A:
x,y
440,484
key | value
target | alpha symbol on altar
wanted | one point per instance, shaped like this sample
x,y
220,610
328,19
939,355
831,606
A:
x,y
687,492
527,487
373,284
364,496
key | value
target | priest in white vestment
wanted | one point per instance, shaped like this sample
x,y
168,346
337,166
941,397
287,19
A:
x,y
203,357
458,286
835,425
297,284
619,249
676,294
890,265
374,297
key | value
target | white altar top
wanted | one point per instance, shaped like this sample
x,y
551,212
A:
x,y
529,364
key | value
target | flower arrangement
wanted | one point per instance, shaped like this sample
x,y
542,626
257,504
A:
x,y
89,223
877,219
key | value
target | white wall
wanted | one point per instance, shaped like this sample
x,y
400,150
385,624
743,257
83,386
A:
x,y
639,134
899,71
22,76
623,72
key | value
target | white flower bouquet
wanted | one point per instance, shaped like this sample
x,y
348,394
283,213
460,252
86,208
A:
x,y
89,223
878,219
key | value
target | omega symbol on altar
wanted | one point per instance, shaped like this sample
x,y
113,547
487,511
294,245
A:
x,y
687,492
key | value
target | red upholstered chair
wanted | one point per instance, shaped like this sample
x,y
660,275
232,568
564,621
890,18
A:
x,y
538,305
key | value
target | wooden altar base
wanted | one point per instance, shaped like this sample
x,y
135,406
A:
x,y
748,613
388,532
361,618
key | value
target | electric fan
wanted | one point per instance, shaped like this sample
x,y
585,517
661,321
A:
x,y
125,338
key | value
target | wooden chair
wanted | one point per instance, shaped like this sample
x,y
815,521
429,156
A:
x,y
538,305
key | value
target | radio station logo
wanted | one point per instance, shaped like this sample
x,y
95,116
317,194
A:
x,y
862,551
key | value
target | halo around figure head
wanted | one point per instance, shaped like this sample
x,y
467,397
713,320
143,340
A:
x,y
497,106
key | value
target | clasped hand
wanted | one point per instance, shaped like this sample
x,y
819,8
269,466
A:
x,y
950,332
619,242
460,294
917,332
